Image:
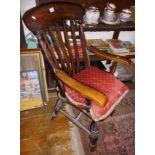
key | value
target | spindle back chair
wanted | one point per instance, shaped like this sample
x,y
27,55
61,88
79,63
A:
x,y
58,26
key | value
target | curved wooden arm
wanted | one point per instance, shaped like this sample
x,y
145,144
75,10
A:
x,y
108,56
85,90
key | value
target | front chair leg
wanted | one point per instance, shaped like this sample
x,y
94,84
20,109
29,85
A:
x,y
94,129
57,108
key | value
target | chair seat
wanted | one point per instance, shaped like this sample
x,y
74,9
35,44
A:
x,y
105,83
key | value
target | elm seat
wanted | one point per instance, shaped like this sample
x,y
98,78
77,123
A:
x,y
104,82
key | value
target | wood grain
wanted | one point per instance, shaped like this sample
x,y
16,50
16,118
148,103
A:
x,y
108,56
39,135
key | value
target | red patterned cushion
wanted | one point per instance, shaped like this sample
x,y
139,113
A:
x,y
105,83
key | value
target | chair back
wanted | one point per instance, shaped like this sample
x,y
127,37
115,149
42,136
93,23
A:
x,y
62,40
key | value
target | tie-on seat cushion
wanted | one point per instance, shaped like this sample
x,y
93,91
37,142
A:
x,y
105,83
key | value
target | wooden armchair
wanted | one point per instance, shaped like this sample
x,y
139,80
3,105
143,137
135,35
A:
x,y
94,92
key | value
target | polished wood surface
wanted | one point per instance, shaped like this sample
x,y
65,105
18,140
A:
x,y
56,20
108,56
52,13
39,135
126,26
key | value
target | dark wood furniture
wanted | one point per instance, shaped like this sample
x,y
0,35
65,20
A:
x,y
101,4
128,26
48,22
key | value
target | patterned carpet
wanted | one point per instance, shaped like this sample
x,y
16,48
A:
x,y
117,134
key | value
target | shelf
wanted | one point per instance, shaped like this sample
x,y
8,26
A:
x,y
128,26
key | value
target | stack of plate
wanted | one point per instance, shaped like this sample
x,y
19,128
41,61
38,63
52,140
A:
x,y
109,17
125,15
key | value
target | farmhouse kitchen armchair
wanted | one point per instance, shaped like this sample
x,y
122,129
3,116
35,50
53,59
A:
x,y
91,90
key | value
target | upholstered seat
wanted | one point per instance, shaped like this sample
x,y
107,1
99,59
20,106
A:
x,y
102,81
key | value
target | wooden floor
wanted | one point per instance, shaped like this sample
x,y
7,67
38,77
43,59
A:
x,y
39,135
42,136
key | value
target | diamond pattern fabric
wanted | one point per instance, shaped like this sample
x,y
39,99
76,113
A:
x,y
105,83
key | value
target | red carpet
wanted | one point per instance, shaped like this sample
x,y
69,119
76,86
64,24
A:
x,y
117,134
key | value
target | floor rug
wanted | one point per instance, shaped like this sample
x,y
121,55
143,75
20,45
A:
x,y
117,134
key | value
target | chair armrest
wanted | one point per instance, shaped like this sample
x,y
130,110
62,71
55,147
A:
x,y
108,56
85,90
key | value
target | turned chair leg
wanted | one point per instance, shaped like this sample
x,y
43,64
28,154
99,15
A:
x,y
94,129
57,108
